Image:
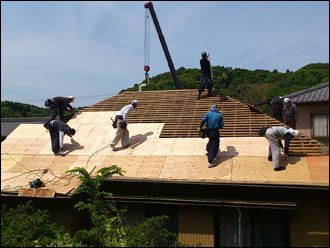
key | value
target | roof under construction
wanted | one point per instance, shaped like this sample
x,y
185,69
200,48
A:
x,y
164,146
181,114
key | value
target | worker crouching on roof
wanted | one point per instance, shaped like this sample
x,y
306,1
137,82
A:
x,y
122,132
274,135
214,121
57,130
60,104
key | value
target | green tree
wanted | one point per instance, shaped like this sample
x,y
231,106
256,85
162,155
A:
x,y
107,229
26,226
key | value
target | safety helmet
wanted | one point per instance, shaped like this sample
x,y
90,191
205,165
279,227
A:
x,y
135,102
71,97
203,54
286,100
295,133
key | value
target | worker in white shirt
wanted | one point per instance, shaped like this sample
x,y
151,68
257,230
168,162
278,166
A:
x,y
274,135
122,132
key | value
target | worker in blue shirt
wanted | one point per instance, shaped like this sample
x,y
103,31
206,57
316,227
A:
x,y
274,135
214,121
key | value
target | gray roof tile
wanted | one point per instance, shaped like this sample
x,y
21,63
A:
x,y
319,93
9,124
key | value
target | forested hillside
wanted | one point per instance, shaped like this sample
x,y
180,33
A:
x,y
15,109
245,85
11,109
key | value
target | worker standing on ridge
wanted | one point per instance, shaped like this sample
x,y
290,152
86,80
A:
x,y
274,135
290,113
275,107
57,130
206,78
122,132
59,104
214,121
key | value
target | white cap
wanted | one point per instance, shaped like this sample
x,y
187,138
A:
x,y
135,102
295,133
71,97
286,100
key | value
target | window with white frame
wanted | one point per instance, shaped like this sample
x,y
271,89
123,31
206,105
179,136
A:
x,y
320,126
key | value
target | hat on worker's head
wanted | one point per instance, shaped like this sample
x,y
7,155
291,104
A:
x,y
135,102
204,54
295,133
72,131
71,98
214,108
286,100
262,131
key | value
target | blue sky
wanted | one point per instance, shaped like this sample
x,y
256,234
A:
x,y
92,50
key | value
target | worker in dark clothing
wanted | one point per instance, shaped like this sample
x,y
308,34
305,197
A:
x,y
290,113
57,130
214,121
206,78
59,104
275,107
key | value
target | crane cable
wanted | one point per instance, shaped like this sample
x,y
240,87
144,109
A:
x,y
147,44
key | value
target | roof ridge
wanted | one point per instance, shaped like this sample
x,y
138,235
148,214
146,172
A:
x,y
308,90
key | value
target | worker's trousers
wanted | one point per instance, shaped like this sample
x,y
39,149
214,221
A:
x,y
213,145
55,139
290,121
274,147
121,134
205,81
53,112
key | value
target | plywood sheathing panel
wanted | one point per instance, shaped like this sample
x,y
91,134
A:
x,y
319,168
82,118
14,181
9,161
259,169
67,185
135,166
57,164
87,162
196,168
21,180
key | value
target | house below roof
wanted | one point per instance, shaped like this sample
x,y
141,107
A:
x,y
316,94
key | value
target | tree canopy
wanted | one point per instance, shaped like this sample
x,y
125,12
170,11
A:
x,y
245,85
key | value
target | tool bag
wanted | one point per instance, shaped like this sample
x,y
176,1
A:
x,y
203,133
119,121
36,183
49,102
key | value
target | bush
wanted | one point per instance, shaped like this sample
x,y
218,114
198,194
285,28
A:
x,y
26,226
